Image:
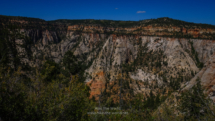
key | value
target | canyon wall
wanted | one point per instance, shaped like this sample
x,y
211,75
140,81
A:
x,y
108,52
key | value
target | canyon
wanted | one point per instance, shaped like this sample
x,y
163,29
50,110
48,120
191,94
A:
x,y
149,55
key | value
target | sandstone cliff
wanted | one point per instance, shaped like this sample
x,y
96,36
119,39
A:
x,y
150,56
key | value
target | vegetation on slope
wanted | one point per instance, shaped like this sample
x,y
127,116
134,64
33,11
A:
x,y
56,91
165,21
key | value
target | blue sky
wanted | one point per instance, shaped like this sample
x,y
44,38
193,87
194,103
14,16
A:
x,y
198,11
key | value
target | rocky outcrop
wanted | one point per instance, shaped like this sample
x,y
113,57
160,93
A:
x,y
148,30
109,48
44,37
207,78
109,52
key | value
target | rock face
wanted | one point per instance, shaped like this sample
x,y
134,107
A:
x,y
147,30
111,51
204,48
141,75
97,84
207,77
44,37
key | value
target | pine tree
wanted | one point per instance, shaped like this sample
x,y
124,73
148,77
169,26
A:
x,y
193,102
